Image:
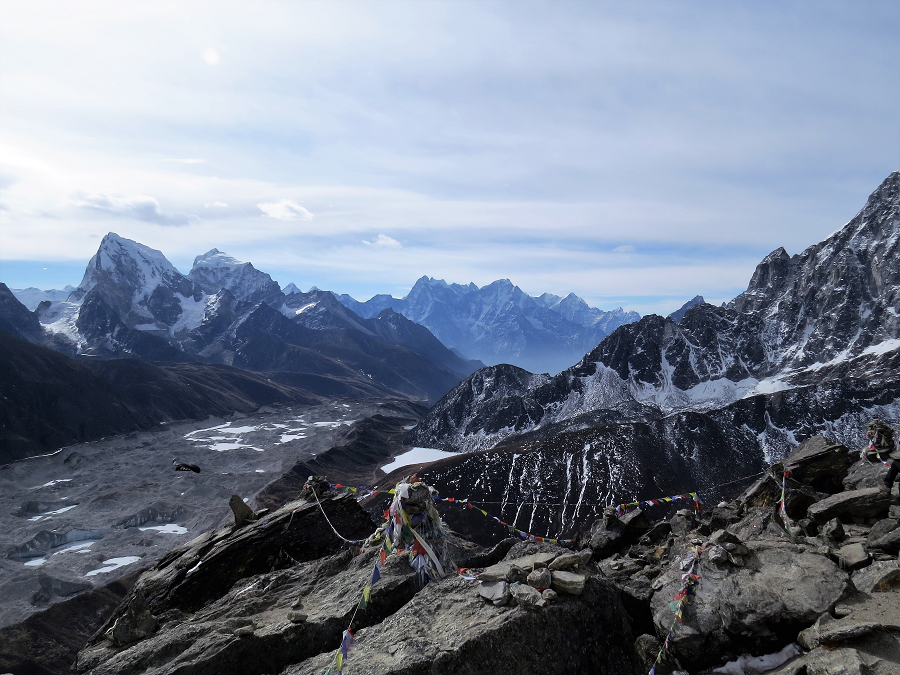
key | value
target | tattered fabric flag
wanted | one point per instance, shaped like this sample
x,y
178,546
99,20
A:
x,y
376,575
366,597
341,655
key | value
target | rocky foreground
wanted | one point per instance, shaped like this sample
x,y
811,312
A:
x,y
815,586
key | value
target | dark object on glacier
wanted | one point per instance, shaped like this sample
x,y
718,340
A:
x,y
181,466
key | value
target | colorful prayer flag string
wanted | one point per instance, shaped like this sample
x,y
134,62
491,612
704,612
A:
x,y
527,536
881,459
689,582
622,509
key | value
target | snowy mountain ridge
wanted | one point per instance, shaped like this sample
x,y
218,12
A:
x,y
500,323
829,313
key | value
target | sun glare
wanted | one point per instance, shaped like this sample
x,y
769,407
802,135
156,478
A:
x,y
211,56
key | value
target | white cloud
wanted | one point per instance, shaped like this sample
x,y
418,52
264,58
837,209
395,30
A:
x,y
216,205
186,160
138,207
626,248
384,241
285,210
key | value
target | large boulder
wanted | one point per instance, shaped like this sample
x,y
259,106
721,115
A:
x,y
864,474
448,629
819,463
865,503
759,608
264,623
609,533
880,576
205,569
885,536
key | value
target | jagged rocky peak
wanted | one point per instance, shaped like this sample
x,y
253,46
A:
x,y
133,268
136,285
679,313
214,271
837,298
291,288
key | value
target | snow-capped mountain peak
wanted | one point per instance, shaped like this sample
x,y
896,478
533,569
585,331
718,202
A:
x,y
128,265
215,270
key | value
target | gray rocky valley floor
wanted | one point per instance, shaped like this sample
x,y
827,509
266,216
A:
x,y
94,512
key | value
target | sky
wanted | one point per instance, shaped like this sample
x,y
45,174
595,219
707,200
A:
x,y
636,154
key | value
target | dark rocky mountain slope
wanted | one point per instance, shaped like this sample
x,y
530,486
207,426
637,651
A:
x,y
48,400
824,316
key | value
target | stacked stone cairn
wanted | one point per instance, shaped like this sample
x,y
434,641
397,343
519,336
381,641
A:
x,y
534,580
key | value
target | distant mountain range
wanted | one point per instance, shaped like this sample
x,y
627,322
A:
x,y
499,323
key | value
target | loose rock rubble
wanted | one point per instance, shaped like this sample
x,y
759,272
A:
x,y
819,586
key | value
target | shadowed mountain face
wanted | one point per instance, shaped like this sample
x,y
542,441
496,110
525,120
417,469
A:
x,y
499,323
813,346
48,400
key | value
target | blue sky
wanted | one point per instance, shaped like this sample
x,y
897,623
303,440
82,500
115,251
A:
x,y
634,153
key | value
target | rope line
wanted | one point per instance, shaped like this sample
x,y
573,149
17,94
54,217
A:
x,y
339,535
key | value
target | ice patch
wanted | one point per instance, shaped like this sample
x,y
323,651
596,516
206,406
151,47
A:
x,y
770,385
221,447
238,430
81,547
54,482
62,510
750,665
36,562
200,431
171,528
417,456
882,347
260,471
114,564
290,437
192,313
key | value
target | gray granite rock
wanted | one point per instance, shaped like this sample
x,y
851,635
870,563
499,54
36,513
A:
x,y
865,503
783,588
885,536
880,576
568,583
853,557
496,592
526,596
539,578
833,530
818,462
569,561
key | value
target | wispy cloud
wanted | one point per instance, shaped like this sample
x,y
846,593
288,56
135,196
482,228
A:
x,y
384,241
285,210
186,160
650,125
138,207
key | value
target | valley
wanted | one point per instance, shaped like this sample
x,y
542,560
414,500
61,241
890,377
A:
x,y
90,513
